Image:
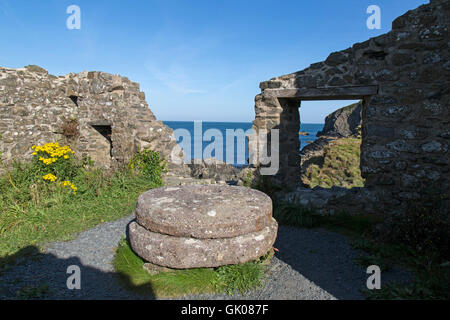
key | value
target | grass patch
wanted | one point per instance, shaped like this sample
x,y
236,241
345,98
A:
x,y
233,278
340,165
295,215
34,210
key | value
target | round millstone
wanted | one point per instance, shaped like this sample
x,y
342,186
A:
x,y
183,253
204,211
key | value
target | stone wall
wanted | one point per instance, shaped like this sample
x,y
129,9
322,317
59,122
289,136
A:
x,y
109,113
403,78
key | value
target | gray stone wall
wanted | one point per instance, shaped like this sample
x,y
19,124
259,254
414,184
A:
x,y
35,106
405,124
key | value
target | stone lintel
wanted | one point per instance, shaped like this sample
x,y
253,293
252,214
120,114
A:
x,y
330,93
100,123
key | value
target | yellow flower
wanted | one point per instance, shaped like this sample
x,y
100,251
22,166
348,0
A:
x,y
72,186
53,150
50,177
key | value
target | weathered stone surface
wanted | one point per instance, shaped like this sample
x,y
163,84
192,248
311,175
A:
x,y
183,253
34,106
330,201
341,92
204,211
404,121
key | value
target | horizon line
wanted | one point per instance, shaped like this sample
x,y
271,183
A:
x,y
229,121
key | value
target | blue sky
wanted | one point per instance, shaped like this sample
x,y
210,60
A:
x,y
195,59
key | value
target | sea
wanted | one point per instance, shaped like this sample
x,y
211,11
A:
x,y
197,131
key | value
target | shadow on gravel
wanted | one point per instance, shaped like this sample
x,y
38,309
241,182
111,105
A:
x,y
36,275
327,259
324,258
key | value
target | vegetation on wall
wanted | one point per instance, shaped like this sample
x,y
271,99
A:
x,y
70,128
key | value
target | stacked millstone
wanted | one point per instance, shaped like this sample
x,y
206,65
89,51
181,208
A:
x,y
202,226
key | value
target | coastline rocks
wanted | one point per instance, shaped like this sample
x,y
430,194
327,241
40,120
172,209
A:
x,y
211,171
202,226
334,150
218,171
343,122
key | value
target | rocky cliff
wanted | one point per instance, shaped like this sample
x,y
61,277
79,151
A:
x,y
334,158
343,122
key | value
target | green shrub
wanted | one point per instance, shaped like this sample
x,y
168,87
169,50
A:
x,y
149,164
248,179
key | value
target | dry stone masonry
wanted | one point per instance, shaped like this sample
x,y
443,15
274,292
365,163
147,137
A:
x,y
100,115
202,226
403,80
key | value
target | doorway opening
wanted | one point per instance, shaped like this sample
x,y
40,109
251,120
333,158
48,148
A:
x,y
106,132
330,143
100,145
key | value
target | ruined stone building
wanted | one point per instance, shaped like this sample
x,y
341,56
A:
x,y
403,79
101,116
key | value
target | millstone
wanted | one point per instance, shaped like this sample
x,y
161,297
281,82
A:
x,y
204,211
185,252
202,226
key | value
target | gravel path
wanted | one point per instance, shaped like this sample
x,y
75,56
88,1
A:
x,y
310,264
